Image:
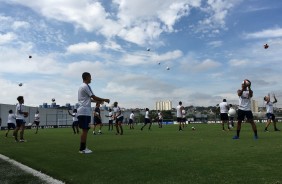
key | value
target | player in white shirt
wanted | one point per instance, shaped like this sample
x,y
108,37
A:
x,y
147,119
179,115
36,121
84,111
131,120
118,116
20,121
269,112
224,114
74,121
111,119
11,122
160,119
245,94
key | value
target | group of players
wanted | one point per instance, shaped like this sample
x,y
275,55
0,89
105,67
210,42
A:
x,y
82,115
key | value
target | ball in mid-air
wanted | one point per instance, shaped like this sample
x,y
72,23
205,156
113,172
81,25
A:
x,y
20,84
232,112
167,68
266,46
53,99
193,128
29,57
247,83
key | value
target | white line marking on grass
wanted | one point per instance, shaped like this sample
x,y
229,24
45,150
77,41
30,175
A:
x,y
27,169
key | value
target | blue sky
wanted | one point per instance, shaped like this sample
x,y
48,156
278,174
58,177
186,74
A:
x,y
210,47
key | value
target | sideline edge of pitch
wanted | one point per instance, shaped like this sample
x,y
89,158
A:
x,y
27,169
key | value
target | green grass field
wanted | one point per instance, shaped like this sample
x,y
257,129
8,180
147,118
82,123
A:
x,y
206,155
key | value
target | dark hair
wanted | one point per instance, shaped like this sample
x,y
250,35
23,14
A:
x,y
20,98
147,109
180,103
85,75
224,100
74,110
110,110
10,111
264,98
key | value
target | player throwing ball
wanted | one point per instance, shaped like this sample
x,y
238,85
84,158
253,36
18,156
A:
x,y
269,112
245,94
85,97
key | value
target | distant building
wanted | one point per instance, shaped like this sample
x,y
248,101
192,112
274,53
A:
x,y
254,106
163,105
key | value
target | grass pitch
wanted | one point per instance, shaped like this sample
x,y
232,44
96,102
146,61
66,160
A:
x,y
206,155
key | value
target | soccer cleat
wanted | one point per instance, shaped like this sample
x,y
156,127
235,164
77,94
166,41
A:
x,y
255,137
22,140
276,129
265,130
86,151
235,137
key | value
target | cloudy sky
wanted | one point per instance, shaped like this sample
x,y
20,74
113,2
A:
x,y
209,46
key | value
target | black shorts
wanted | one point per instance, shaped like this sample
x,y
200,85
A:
x,y
36,122
147,120
96,121
270,116
20,122
11,126
119,119
84,121
130,121
75,123
224,117
242,114
179,119
110,122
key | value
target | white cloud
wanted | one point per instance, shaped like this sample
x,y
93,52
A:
x,y
238,63
7,38
20,24
268,33
84,48
215,43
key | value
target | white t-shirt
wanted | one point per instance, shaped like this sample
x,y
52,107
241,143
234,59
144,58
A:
x,y
117,111
183,113
110,115
131,116
245,101
269,107
160,115
36,117
19,107
11,118
74,117
84,100
147,114
223,107
178,111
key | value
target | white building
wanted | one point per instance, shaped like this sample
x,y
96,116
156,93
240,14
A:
x,y
163,105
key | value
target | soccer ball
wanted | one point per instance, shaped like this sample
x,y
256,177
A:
x,y
193,128
29,57
232,112
29,124
20,84
266,46
167,68
247,83
53,99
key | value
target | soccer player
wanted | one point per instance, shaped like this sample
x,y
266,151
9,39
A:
x,y
245,94
85,97
160,119
118,116
97,119
231,117
147,120
20,121
269,112
224,114
11,122
179,115
74,121
36,120
131,120
111,117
